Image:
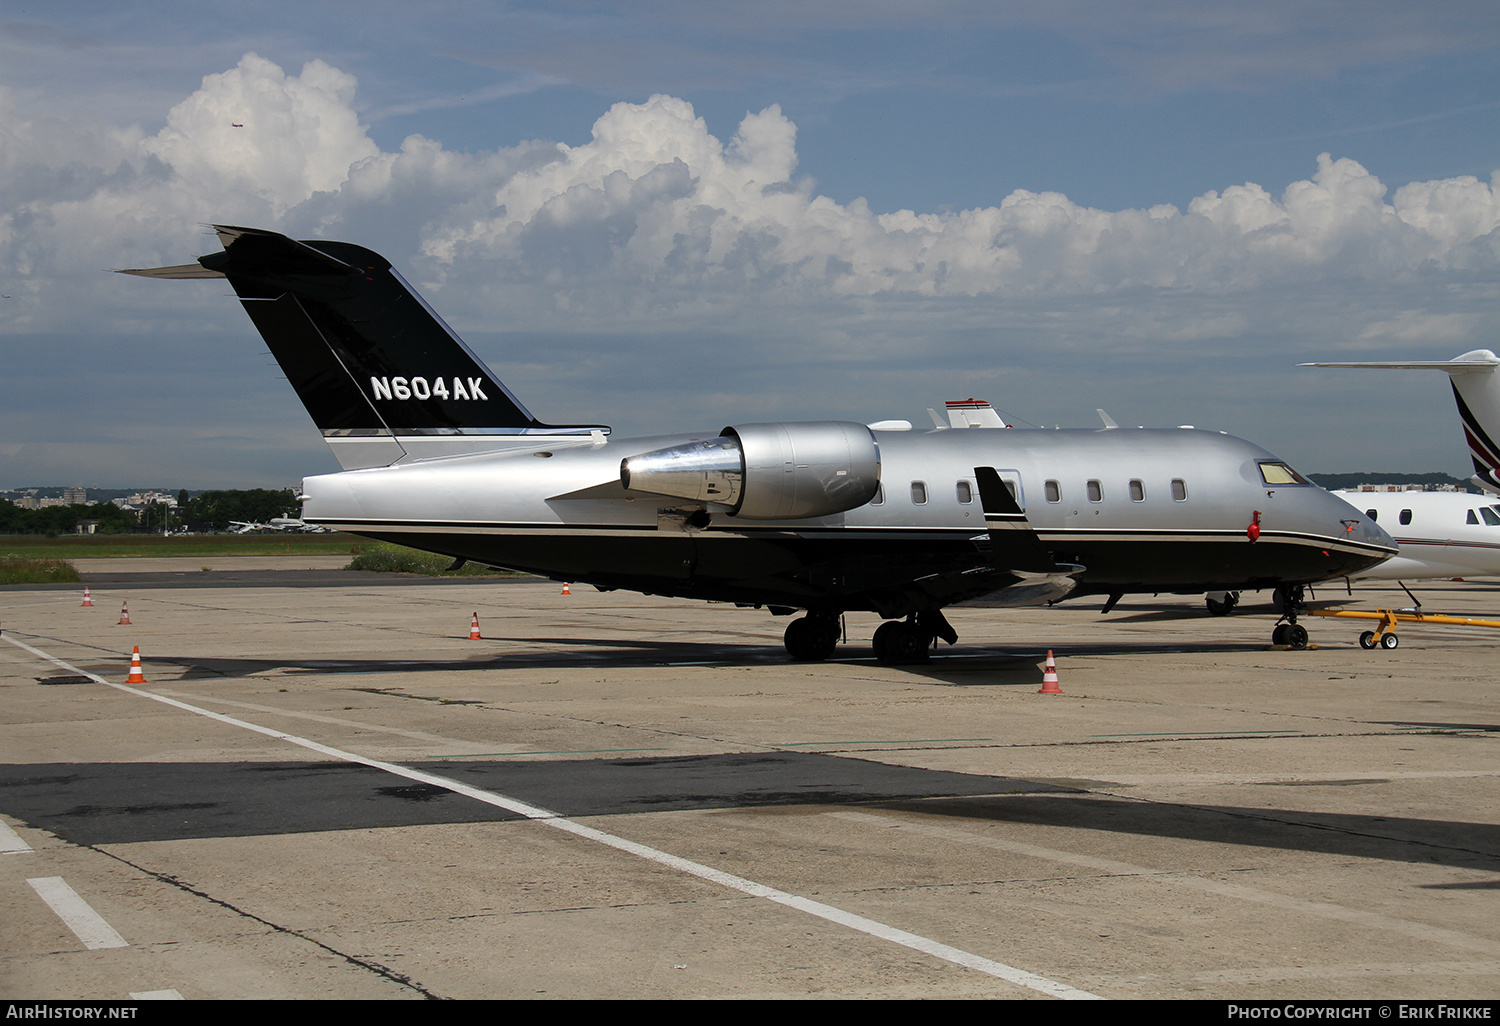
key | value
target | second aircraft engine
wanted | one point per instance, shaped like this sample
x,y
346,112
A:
x,y
766,471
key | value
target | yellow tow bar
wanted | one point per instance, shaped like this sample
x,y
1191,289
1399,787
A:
x,y
1384,635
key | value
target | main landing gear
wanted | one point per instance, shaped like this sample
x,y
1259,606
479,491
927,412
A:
x,y
1291,633
814,637
1222,603
901,641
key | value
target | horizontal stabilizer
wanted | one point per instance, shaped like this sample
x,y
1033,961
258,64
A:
x,y
175,271
1478,360
1478,399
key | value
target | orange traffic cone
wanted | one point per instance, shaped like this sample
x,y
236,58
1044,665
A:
x,y
136,676
124,615
565,590
474,629
86,600
1049,677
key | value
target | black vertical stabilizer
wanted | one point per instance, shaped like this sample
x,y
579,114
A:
x,y
363,351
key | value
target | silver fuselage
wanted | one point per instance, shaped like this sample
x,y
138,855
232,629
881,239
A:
x,y
1172,512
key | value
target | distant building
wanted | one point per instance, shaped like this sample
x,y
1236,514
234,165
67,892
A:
x,y
75,496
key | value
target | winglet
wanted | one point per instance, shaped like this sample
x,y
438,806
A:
x,y
1014,541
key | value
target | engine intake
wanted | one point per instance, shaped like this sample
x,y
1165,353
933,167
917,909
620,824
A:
x,y
766,471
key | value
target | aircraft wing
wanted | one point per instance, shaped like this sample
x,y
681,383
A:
x,y
1012,565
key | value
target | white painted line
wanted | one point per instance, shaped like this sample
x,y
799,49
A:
x,y
88,925
10,842
1374,921
155,995
937,949
432,740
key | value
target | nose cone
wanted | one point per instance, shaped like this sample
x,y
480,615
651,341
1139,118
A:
x,y
1361,543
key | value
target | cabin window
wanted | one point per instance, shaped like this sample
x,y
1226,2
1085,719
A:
x,y
1490,516
919,493
1096,492
965,493
1373,514
1179,489
879,495
1405,517
1137,491
1472,518
1054,493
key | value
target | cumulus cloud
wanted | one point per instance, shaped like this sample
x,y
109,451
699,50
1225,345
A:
x,y
655,202
656,229
257,130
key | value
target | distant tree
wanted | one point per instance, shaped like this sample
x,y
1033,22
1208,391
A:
x,y
251,505
63,519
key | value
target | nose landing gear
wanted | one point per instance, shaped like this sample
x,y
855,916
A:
x,y
1291,633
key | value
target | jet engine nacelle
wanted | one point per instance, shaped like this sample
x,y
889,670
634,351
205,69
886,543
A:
x,y
766,471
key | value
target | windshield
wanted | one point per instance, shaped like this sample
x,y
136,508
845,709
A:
x,y
1274,472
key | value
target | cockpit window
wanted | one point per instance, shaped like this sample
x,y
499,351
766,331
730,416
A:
x,y
1472,518
1490,516
1274,472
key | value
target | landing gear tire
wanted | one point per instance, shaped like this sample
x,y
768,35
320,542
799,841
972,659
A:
x,y
1289,598
1224,606
1389,641
1367,639
901,642
811,640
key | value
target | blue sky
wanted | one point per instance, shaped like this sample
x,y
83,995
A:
x,y
1107,204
